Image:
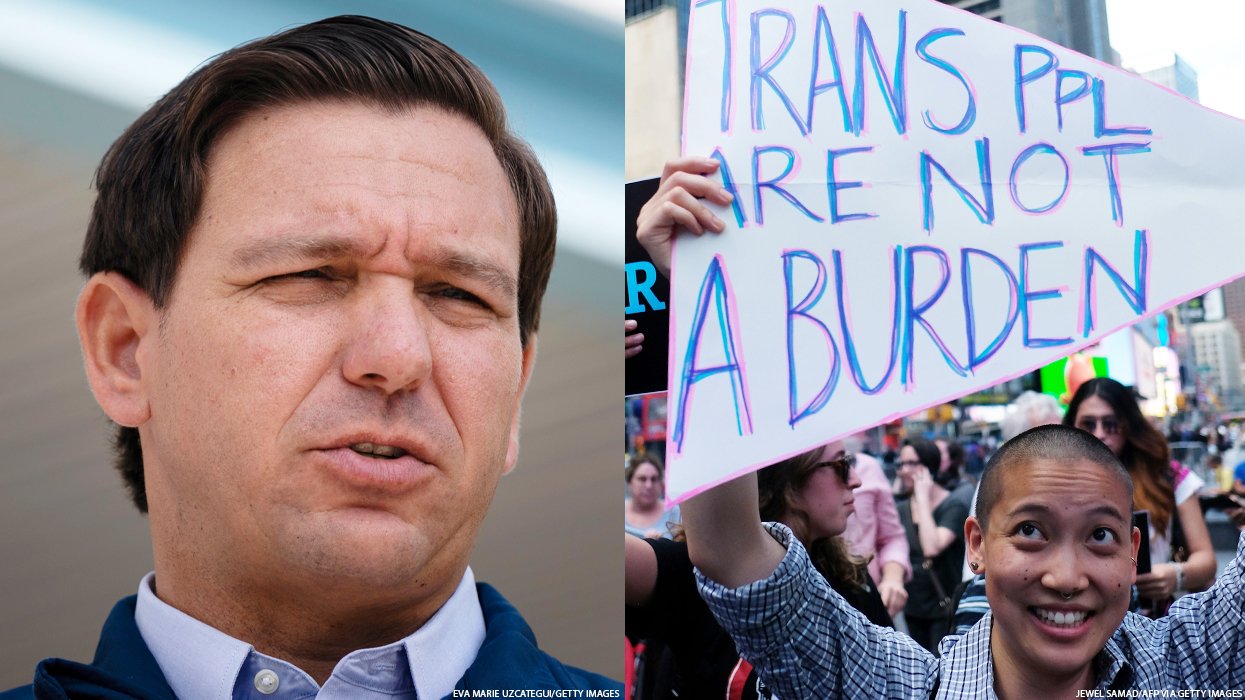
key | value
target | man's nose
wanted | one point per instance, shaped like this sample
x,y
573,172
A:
x,y
387,344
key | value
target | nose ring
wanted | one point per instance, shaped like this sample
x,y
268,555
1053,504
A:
x,y
1066,596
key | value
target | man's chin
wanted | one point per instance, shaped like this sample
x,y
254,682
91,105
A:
x,y
363,548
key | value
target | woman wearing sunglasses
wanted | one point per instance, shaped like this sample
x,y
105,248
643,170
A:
x,y
811,494
1181,555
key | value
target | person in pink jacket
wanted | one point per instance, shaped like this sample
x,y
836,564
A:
x,y
874,531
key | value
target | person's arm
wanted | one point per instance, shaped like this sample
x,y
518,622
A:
x,y
640,571
934,538
1205,639
892,542
804,639
1197,572
891,587
725,538
1199,569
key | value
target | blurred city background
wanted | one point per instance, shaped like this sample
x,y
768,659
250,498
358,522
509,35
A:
x,y
73,75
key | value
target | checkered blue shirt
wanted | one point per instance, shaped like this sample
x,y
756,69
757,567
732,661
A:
x,y
807,642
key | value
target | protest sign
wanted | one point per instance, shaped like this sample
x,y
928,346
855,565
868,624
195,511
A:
x,y
925,203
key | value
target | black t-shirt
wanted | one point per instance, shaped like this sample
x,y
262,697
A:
x,y
923,598
705,659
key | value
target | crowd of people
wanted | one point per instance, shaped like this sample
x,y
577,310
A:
x,y
901,554
1078,559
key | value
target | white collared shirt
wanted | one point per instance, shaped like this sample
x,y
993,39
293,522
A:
x,y
200,661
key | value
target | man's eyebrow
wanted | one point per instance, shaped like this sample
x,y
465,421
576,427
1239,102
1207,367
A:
x,y
481,270
292,248
1042,509
288,248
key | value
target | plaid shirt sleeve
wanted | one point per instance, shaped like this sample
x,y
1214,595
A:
x,y
1201,642
806,641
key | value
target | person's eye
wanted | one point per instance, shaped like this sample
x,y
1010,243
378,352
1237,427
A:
x,y
1029,530
312,274
1103,535
460,294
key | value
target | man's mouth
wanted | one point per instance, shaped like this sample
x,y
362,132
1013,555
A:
x,y
369,449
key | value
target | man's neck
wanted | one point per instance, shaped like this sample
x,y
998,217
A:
x,y
312,630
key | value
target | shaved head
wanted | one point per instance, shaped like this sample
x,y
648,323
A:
x,y
1049,442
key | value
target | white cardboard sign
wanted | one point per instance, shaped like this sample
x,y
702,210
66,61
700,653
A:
x,y
926,203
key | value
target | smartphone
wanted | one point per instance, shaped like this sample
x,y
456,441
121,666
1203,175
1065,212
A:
x,y
1141,521
1220,501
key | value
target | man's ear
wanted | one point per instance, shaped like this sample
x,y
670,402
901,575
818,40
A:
x,y
975,538
114,317
529,359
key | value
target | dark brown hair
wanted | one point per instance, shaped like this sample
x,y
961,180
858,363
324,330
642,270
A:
x,y
778,485
640,460
1145,452
151,181
927,453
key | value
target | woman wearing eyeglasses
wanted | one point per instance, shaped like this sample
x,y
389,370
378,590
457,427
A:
x,y
933,518
811,494
1181,555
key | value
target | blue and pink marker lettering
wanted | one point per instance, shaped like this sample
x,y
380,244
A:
x,y
970,110
894,92
1110,153
801,309
849,345
715,290
728,36
1100,116
1024,156
1024,77
816,88
1028,296
977,358
773,183
1064,98
728,184
1135,295
833,184
761,69
915,312
983,208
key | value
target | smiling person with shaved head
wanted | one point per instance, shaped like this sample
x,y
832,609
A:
x,y
315,276
1054,536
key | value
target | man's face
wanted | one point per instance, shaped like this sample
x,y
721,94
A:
x,y
336,382
1058,565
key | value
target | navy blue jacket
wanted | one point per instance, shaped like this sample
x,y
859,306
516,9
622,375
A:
x,y
124,668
